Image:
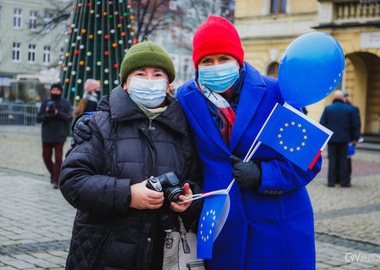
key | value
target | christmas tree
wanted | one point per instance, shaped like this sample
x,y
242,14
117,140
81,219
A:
x,y
98,36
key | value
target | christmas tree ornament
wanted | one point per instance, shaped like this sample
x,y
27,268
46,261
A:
x,y
99,33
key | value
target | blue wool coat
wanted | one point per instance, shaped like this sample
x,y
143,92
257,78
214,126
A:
x,y
273,227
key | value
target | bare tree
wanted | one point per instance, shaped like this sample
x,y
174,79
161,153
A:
x,y
150,16
57,13
192,13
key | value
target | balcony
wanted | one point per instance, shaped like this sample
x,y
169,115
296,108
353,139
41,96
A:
x,y
348,13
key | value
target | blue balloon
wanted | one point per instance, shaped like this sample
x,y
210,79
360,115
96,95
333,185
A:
x,y
310,69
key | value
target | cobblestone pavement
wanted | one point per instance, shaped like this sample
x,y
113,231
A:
x,y
36,222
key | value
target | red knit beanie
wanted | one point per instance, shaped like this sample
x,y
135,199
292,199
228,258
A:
x,y
216,35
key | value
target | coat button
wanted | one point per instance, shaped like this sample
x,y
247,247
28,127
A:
x,y
280,192
149,239
270,191
265,191
275,192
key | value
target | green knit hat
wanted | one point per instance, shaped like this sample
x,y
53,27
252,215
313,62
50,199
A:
x,y
146,54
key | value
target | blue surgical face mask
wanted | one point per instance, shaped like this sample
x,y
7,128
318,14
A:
x,y
218,78
149,93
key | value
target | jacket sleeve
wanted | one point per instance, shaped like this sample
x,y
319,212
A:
x,y
65,112
323,120
85,180
194,177
356,125
41,116
281,175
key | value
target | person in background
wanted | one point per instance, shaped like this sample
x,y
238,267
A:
x,y
340,118
55,114
357,132
270,223
137,132
90,98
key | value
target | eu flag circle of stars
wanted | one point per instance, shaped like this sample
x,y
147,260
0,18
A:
x,y
283,132
208,225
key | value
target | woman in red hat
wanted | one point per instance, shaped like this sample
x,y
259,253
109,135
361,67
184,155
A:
x,y
270,223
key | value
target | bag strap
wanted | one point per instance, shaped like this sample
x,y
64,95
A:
x,y
182,230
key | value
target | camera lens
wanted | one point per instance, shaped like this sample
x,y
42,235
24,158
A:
x,y
173,193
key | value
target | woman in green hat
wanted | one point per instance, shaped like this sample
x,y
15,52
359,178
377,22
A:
x,y
138,132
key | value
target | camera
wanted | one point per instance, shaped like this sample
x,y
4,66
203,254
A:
x,y
50,107
167,183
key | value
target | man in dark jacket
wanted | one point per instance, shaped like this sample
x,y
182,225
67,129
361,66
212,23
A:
x,y
137,132
341,119
55,114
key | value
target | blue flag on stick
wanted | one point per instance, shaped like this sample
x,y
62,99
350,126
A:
x,y
214,215
294,135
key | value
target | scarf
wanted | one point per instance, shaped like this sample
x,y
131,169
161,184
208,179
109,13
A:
x,y
223,106
152,113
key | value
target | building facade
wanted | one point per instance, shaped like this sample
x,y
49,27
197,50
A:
x,y
267,27
30,48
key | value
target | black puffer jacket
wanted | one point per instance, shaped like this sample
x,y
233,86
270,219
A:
x,y
126,148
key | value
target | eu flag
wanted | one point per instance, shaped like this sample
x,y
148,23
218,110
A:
x,y
214,215
294,135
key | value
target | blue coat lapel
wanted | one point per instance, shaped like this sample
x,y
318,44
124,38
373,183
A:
x,y
198,106
251,94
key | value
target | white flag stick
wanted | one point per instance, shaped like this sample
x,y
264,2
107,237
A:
x,y
204,195
252,150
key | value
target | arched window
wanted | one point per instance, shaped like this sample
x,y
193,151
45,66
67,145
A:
x,y
273,70
277,6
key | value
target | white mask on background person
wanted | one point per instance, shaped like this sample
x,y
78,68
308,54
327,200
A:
x,y
91,96
149,93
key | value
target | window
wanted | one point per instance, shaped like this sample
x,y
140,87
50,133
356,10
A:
x,y
277,6
273,70
47,22
17,18
16,51
32,53
46,57
33,19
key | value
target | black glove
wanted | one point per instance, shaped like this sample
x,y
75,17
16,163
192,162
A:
x,y
81,130
246,174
